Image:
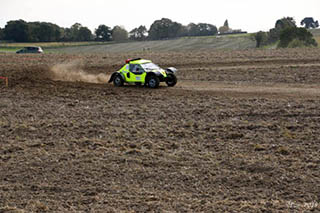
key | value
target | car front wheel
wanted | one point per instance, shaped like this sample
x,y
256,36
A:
x,y
171,80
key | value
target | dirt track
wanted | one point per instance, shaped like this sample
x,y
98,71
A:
x,y
239,133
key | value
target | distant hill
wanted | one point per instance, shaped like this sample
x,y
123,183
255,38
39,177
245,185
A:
x,y
235,42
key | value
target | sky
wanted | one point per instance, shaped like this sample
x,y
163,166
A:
x,y
247,15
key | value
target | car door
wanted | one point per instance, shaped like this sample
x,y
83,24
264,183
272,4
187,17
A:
x,y
136,73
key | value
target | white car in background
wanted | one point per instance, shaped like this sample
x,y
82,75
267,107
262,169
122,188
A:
x,y
30,50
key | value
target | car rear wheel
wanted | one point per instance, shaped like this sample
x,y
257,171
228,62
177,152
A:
x,y
171,80
153,81
118,81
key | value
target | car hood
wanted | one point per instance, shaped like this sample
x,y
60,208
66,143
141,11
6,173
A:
x,y
162,71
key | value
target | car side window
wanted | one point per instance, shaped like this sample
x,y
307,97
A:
x,y
136,68
131,67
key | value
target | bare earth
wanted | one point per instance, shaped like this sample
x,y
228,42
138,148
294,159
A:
x,y
238,133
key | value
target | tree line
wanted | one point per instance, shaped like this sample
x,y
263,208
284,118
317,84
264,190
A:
x,y
22,31
286,33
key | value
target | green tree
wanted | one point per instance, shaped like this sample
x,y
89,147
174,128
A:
x,y
103,33
192,29
66,34
201,29
84,34
17,31
285,22
175,30
77,32
295,34
50,32
44,32
207,29
74,30
1,34
138,34
164,29
183,31
281,24
260,37
21,31
119,34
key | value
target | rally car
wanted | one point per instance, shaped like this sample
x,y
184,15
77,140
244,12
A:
x,y
143,72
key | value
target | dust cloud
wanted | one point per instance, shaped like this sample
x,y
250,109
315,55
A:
x,y
73,72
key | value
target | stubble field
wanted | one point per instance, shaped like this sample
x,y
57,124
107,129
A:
x,y
238,133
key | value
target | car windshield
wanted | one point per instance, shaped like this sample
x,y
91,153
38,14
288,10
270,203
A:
x,y
150,66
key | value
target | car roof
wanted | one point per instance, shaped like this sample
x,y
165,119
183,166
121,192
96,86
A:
x,y
31,47
140,61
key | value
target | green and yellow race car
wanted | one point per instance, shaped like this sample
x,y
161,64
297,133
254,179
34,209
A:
x,y
143,72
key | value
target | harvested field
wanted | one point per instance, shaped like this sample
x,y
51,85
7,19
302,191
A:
x,y
204,43
238,133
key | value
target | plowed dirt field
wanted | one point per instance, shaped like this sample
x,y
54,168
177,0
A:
x,y
238,133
